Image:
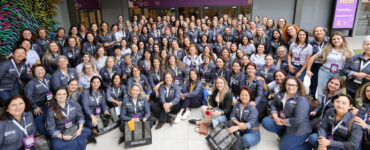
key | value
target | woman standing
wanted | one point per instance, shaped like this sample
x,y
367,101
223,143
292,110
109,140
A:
x,y
334,55
51,55
106,38
299,54
109,70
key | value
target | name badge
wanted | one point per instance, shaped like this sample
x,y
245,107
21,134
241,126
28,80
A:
x,y
177,80
192,66
334,68
136,116
195,39
331,138
296,60
29,141
118,110
203,79
49,95
282,114
97,110
68,123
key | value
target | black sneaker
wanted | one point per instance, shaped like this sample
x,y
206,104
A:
x,y
193,121
121,139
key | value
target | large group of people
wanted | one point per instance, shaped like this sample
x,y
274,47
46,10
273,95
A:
x,y
239,70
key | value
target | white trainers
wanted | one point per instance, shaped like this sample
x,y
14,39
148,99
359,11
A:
x,y
185,115
178,118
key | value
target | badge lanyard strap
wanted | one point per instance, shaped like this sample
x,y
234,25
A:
x,y
66,115
20,127
16,69
44,85
336,127
96,98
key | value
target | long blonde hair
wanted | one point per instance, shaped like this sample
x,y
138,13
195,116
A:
x,y
329,46
223,92
48,55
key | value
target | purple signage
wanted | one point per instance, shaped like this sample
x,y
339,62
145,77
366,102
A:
x,y
186,3
87,4
345,12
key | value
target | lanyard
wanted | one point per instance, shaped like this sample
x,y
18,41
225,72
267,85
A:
x,y
326,102
192,87
134,105
20,127
97,99
45,85
65,74
16,69
233,79
205,70
114,92
336,127
175,69
168,91
241,112
362,65
66,115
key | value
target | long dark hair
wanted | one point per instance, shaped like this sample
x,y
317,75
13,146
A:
x,y
305,41
301,90
116,74
190,81
5,115
55,108
100,88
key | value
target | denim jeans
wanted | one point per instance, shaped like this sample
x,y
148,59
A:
x,y
297,68
78,143
218,119
250,137
287,141
4,95
324,76
40,121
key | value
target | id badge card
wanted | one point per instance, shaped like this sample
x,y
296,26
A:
x,y
203,79
281,114
331,138
296,61
177,81
334,68
68,123
195,40
97,110
118,110
192,66
29,141
136,116
29,69
49,95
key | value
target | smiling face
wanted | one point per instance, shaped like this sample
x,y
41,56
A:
x,y
72,86
334,85
291,86
40,72
61,96
19,54
220,84
168,79
279,77
193,76
16,107
95,83
244,96
135,91
342,105
319,32
337,41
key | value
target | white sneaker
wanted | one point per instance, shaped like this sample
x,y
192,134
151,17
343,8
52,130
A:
x,y
185,115
178,118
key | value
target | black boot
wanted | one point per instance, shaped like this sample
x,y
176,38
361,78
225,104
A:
x,y
91,139
121,139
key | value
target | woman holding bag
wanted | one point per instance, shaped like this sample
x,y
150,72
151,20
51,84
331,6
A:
x,y
135,107
65,123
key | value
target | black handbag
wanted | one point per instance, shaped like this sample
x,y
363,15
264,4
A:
x,y
221,139
107,122
70,131
141,135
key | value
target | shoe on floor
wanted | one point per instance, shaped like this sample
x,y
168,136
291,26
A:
x,y
121,139
185,115
178,118
171,120
194,121
159,125
91,139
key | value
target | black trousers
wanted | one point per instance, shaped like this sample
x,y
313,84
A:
x,y
158,111
262,110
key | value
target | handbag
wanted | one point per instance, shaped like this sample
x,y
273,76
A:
x,y
107,122
70,131
221,139
203,129
141,135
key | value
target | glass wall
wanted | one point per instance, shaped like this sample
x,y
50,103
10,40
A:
x,y
364,19
88,17
190,11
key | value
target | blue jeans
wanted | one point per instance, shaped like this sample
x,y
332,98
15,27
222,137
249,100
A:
x,y
78,143
88,122
324,76
4,95
40,121
297,68
217,120
251,137
287,141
